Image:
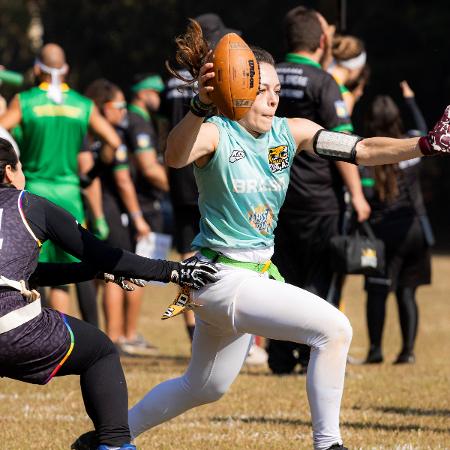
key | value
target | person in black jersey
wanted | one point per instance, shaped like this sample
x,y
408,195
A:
x,y
37,343
149,174
314,204
399,219
125,218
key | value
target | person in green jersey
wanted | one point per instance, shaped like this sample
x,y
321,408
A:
x,y
242,171
53,120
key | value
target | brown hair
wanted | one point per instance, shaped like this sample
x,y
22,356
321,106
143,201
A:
x,y
8,157
262,56
192,51
384,119
101,91
302,29
346,47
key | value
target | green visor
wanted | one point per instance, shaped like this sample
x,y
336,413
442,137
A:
x,y
153,82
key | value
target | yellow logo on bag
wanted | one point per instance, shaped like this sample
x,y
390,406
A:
x,y
369,257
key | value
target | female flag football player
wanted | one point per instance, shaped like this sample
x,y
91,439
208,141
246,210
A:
x,y
239,203
38,343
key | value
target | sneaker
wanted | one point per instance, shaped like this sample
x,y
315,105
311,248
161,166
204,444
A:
x,y
138,346
87,441
256,356
123,447
374,356
337,447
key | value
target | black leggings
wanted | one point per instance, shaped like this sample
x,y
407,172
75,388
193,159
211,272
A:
x,y
87,299
407,311
103,386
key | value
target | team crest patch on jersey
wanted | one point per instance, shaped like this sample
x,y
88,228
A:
x,y
143,140
236,155
261,218
278,158
341,109
121,154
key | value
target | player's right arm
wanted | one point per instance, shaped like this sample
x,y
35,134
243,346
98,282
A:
x,y
13,114
191,139
104,130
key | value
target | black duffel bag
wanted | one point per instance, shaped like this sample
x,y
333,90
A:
x,y
358,253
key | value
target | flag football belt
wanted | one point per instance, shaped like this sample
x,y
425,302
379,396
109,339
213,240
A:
x,y
184,302
22,315
268,266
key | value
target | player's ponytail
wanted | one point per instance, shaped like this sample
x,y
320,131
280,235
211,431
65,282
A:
x,y
192,51
8,157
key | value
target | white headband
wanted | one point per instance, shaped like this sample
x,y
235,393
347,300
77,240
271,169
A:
x,y
354,63
54,91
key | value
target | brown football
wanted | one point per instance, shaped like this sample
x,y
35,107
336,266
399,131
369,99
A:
x,y
236,80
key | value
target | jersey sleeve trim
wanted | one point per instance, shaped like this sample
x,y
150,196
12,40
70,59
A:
x,y
121,167
143,150
343,127
24,220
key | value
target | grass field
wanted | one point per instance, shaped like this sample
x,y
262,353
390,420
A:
x,y
384,407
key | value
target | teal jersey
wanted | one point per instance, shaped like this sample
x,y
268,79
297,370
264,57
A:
x,y
242,187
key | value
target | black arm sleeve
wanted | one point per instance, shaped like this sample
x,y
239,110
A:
x,y
51,274
49,221
419,120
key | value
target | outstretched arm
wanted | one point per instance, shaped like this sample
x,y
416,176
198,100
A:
x,y
380,150
49,221
371,151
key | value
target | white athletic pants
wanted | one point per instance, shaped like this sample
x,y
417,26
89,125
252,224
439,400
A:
x,y
240,304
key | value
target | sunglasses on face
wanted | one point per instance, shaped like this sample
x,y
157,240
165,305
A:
x,y
116,105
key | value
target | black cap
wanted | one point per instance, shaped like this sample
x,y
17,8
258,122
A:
x,y
213,28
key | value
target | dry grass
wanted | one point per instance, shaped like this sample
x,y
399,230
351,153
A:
x,y
384,407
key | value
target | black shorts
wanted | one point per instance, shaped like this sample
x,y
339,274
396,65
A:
x,y
32,351
302,251
155,218
187,223
120,234
408,257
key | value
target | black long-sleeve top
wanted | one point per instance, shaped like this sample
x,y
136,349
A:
x,y
49,221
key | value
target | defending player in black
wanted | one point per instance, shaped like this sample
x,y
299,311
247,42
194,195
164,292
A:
x,y
38,343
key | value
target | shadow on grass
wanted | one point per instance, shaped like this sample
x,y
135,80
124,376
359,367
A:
x,y
355,425
413,411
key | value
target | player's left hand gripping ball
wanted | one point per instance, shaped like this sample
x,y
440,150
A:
x,y
438,139
194,273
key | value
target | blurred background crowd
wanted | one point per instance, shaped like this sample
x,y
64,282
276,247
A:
x,y
378,69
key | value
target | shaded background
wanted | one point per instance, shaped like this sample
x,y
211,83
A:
x,y
118,38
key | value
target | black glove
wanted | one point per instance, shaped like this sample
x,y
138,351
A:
x,y
123,282
194,273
